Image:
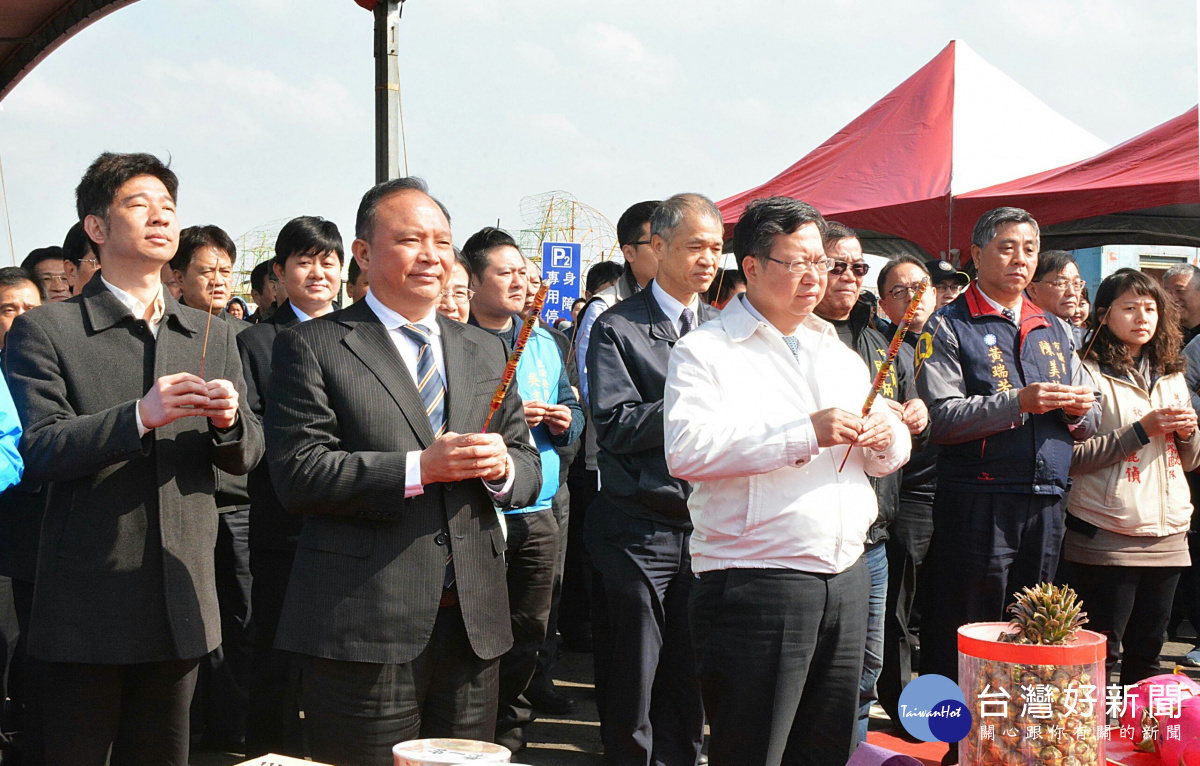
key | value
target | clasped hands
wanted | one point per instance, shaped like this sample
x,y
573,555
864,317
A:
x,y
1180,419
557,417
184,395
835,426
1039,398
458,457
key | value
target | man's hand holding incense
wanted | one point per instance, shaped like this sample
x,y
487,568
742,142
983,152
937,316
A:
x,y
876,433
458,457
172,397
222,406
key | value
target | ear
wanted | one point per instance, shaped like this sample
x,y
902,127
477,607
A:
x,y
976,254
751,266
361,251
659,246
95,228
278,271
630,253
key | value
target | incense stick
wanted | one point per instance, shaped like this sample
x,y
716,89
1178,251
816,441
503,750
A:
x,y
893,349
510,368
212,293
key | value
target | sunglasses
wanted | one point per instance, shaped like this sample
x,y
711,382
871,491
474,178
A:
x,y
860,269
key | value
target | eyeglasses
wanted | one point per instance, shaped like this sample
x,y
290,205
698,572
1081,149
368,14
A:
x,y
950,288
94,261
1077,285
860,268
904,292
640,242
458,296
802,266
55,279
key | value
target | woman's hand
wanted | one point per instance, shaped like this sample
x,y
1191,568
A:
x,y
1181,420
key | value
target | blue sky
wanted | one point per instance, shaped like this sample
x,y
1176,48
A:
x,y
265,107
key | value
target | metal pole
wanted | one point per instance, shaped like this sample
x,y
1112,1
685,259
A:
x,y
387,90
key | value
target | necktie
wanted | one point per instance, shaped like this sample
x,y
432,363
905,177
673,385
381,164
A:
x,y
429,380
793,344
687,320
1009,314
433,394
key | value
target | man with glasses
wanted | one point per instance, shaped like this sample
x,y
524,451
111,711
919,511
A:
x,y
1182,283
1056,289
851,316
947,281
762,407
455,299
80,260
912,526
46,263
1007,402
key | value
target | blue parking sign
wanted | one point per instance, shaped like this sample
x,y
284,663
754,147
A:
x,y
562,270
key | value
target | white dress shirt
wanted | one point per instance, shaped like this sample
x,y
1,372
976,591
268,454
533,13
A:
x,y
138,309
737,425
1016,310
409,351
672,307
299,314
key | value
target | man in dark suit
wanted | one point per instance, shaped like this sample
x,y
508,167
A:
x,y
308,261
374,417
203,269
119,421
638,529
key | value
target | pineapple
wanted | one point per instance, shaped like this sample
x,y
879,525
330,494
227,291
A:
x,y
1054,698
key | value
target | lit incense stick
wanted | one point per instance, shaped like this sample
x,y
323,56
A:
x,y
510,369
893,349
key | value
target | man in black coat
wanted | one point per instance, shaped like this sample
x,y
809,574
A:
x,y
638,529
308,262
374,423
852,316
203,269
127,432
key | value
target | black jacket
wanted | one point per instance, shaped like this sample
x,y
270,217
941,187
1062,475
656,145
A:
x,y
918,481
125,570
271,527
627,372
872,347
342,413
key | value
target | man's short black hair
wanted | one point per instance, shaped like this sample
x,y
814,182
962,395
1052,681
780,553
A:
x,y
193,238
479,246
308,235
364,222
601,274
52,253
1051,262
629,225
98,188
985,228
15,276
763,219
77,245
258,276
833,232
354,273
723,285
885,272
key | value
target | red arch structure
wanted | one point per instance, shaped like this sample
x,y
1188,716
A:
x,y
30,30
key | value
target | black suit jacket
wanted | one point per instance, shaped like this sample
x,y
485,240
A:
x,y
271,526
342,414
627,374
125,561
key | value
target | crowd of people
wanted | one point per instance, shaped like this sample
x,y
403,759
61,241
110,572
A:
x,y
313,530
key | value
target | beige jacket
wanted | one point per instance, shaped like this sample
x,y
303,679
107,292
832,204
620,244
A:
x,y
1123,485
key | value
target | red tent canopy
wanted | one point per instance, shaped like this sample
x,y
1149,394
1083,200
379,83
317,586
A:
x,y
895,168
1160,167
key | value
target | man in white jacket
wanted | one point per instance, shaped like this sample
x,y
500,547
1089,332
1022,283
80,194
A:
x,y
762,405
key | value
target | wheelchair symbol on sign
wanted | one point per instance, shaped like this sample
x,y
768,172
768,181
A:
x,y
560,258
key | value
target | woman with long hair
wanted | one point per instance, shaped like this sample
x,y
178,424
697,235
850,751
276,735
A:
x,y
1130,508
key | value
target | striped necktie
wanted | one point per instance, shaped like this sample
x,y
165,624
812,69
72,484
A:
x,y
429,380
687,320
433,394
